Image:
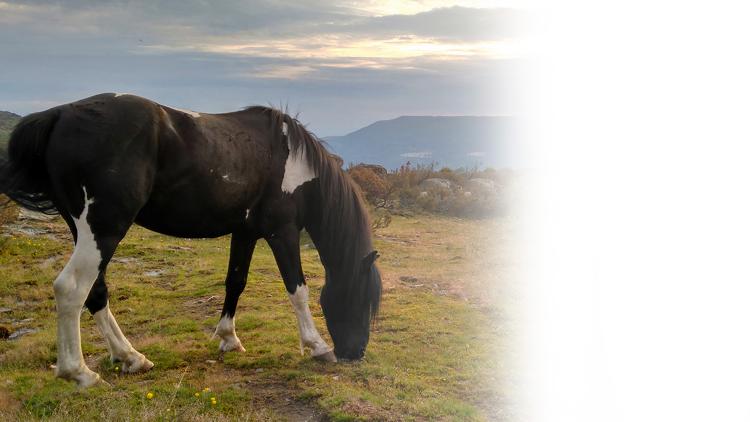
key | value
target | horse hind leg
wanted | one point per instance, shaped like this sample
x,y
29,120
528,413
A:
x,y
119,347
98,229
71,288
240,255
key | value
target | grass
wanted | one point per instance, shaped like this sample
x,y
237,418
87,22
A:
x,y
437,350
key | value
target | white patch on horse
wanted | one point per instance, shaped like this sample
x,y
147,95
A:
x,y
120,94
225,177
247,213
188,112
296,170
229,339
71,288
285,129
118,345
308,334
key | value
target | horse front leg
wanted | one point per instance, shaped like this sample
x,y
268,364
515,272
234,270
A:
x,y
240,255
285,246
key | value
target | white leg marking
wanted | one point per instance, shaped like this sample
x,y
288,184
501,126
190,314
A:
x,y
296,170
72,287
229,339
308,334
119,347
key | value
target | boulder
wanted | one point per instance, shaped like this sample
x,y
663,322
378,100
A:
x,y
436,183
479,185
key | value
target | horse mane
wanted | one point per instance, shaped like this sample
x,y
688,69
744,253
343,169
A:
x,y
341,229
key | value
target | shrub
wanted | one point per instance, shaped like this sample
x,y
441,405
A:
x,y
405,190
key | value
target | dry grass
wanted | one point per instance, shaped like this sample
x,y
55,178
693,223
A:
x,y
8,210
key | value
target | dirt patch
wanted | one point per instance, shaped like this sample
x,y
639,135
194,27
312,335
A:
x,y
8,403
280,397
206,305
364,410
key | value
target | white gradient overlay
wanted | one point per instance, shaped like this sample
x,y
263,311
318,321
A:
x,y
637,251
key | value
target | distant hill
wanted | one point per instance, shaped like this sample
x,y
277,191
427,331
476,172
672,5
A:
x,y
451,141
8,121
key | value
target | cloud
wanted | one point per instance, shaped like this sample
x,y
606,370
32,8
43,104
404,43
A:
x,y
342,64
421,154
458,24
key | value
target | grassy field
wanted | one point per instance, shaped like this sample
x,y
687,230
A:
x,y
439,349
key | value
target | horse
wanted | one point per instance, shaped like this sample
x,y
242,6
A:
x,y
112,160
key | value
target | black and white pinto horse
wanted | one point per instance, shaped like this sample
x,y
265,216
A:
x,y
111,160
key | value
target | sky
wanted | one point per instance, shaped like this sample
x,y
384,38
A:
x,y
340,65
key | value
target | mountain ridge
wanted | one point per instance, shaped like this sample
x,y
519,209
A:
x,y
452,141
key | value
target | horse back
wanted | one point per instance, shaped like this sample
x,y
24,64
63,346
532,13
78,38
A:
x,y
195,174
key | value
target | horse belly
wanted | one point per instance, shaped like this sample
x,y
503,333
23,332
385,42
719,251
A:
x,y
196,216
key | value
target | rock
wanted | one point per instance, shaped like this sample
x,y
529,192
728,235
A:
x,y
124,260
33,215
481,185
21,332
436,183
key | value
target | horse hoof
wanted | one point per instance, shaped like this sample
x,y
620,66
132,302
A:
x,y
326,357
83,376
231,345
136,364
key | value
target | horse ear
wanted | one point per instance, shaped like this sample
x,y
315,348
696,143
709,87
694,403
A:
x,y
368,260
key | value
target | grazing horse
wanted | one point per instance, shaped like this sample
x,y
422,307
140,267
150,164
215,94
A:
x,y
111,160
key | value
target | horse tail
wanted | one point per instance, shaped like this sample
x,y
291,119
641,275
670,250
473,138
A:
x,y
23,174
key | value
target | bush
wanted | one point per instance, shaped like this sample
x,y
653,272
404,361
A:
x,y
457,192
374,187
